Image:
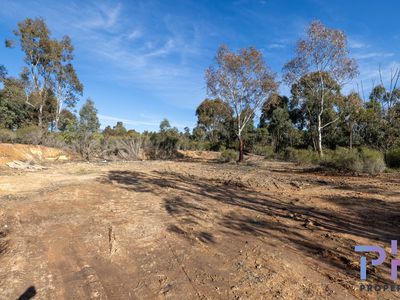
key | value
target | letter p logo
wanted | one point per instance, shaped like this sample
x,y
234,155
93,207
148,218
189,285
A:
x,y
363,260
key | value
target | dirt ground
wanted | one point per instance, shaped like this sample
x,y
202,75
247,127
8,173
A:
x,y
192,230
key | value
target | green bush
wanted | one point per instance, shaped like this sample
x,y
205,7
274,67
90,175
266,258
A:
x,y
30,135
343,160
164,144
393,158
192,145
373,162
301,156
7,136
266,151
228,155
355,160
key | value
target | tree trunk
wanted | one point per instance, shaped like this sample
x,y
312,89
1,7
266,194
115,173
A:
x,y
351,137
56,121
42,97
240,149
319,144
313,137
40,117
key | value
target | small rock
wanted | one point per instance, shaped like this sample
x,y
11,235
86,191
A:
x,y
308,224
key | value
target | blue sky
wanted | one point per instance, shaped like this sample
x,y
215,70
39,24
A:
x,y
141,61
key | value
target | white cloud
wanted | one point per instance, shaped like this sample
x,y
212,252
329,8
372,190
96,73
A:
x,y
356,44
135,34
155,122
373,55
127,121
276,46
101,17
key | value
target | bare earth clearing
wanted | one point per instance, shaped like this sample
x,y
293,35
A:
x,y
191,230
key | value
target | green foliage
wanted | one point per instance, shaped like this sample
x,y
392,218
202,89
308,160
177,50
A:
x,y
343,160
280,127
30,135
373,162
229,156
301,156
165,143
88,120
67,120
243,81
362,160
48,70
392,158
118,130
7,136
274,102
13,110
164,125
265,150
3,72
214,117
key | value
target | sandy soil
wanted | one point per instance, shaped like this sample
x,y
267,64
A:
x,y
192,230
36,153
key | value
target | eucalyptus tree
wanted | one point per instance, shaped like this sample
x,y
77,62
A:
x,y
213,116
3,73
351,111
87,130
48,67
88,120
67,85
243,81
324,53
305,100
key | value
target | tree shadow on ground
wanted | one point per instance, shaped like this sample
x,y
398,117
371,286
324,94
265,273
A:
x,y
313,231
28,294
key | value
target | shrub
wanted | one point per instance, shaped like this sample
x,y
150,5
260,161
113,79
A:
x,y
164,144
228,155
373,162
7,136
266,151
115,147
393,158
54,139
301,156
197,145
88,145
355,160
30,135
342,160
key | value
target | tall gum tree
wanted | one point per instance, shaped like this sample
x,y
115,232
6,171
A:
x,y
67,86
48,67
213,116
323,51
244,82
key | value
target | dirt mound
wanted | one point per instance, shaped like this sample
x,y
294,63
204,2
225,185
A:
x,y
19,152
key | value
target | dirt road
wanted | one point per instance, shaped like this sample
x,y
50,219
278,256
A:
x,y
192,230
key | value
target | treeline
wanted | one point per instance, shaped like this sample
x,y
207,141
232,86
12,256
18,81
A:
x,y
316,123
